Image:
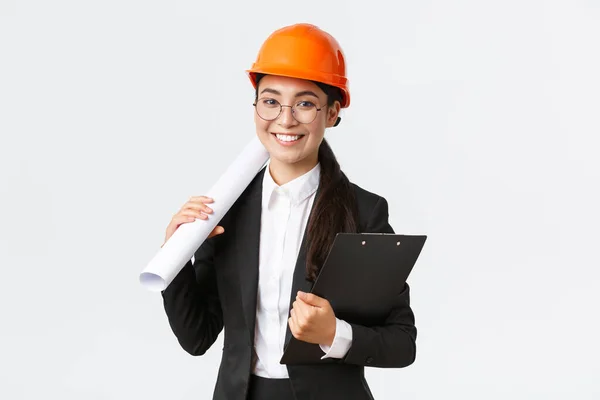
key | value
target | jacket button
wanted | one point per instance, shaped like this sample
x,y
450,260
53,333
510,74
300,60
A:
x,y
369,360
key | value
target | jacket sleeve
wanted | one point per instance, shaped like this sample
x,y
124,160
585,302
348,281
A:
x,y
192,303
393,344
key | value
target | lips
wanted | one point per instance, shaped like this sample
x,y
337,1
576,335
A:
x,y
287,138
287,134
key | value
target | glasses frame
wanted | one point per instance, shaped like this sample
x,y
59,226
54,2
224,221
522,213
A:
x,y
281,110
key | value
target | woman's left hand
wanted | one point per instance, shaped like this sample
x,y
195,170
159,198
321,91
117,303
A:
x,y
312,319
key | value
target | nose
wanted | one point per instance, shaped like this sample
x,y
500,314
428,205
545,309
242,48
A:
x,y
286,118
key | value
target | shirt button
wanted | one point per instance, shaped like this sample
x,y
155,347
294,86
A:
x,y
369,360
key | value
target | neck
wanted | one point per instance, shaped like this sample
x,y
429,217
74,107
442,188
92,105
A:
x,y
283,173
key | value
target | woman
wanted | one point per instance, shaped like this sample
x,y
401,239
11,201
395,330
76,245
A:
x,y
253,274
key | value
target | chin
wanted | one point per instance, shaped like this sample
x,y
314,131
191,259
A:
x,y
285,158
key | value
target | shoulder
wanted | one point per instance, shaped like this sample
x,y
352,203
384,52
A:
x,y
372,210
365,197
249,197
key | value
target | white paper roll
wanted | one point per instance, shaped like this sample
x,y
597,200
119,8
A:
x,y
182,245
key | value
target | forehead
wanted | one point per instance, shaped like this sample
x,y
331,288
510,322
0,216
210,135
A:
x,y
286,85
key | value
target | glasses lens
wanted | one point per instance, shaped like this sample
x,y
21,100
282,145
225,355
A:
x,y
305,112
268,109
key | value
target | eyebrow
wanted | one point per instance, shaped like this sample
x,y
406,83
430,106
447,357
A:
x,y
299,94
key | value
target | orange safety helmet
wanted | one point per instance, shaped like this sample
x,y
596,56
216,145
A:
x,y
303,51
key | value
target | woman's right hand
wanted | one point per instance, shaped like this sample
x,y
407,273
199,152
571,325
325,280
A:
x,y
195,208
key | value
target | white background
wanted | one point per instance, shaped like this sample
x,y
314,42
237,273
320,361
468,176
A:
x,y
477,120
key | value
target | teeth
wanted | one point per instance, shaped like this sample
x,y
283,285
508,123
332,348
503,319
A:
x,y
287,138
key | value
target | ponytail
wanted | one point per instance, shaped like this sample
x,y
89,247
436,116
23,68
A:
x,y
334,211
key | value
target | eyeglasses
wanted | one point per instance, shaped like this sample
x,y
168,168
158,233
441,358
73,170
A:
x,y
303,111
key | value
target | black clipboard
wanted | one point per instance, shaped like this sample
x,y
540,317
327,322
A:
x,y
361,278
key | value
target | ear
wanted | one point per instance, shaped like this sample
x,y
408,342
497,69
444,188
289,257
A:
x,y
333,113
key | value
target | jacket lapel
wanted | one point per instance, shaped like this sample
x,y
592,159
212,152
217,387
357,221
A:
x,y
299,281
247,247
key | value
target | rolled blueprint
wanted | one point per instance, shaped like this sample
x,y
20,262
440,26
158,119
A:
x,y
182,245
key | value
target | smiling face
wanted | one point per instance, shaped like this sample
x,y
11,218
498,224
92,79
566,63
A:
x,y
292,144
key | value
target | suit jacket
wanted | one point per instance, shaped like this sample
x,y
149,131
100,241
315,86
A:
x,y
219,291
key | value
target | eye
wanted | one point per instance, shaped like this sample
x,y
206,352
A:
x,y
305,104
271,103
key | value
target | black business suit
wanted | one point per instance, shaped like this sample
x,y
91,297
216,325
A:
x,y
220,290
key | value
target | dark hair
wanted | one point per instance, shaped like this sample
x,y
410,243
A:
x,y
335,208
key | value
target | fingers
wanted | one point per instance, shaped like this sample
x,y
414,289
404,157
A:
x,y
198,203
178,220
304,314
197,207
294,324
192,213
203,199
294,316
194,208
293,328
302,309
183,218
312,299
